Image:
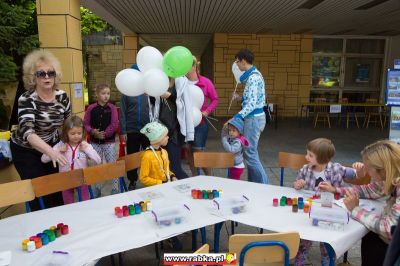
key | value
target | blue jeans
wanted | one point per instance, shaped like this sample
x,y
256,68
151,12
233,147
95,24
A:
x,y
253,126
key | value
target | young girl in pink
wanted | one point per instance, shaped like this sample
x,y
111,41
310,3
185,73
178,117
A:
x,y
76,151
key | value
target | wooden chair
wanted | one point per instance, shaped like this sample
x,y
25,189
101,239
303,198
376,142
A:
x,y
103,172
211,160
16,192
292,161
349,112
321,112
265,249
372,112
48,184
132,161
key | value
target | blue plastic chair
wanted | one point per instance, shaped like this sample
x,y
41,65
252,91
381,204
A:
x,y
270,248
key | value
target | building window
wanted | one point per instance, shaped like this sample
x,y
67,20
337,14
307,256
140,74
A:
x,y
347,67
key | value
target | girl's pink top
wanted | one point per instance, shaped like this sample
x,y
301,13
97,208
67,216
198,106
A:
x,y
77,158
209,93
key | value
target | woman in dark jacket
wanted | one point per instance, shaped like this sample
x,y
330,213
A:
x,y
168,116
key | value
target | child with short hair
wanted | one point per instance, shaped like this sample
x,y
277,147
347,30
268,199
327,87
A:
x,y
234,142
381,160
154,168
77,152
319,169
101,122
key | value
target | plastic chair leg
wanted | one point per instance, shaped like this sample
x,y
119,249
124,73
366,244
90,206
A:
x,y
91,192
79,190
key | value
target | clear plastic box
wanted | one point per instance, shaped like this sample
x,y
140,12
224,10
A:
x,y
172,215
231,204
329,218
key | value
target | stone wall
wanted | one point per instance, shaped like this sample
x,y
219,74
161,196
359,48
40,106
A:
x,y
284,60
104,62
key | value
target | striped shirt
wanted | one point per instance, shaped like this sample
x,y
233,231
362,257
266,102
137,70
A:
x,y
378,223
334,174
43,119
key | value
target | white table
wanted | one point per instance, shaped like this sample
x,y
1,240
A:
x,y
95,232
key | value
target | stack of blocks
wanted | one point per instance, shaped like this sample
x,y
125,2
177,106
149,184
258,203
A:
x,y
42,239
132,209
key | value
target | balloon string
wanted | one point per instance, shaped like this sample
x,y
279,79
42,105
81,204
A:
x,y
212,118
233,96
210,123
166,103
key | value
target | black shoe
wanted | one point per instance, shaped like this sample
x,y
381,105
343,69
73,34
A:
x,y
132,185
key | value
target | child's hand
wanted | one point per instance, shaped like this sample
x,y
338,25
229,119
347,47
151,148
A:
x,y
299,184
63,148
174,178
326,186
351,200
225,127
83,146
360,169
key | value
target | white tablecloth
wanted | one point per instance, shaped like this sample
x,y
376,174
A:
x,y
95,232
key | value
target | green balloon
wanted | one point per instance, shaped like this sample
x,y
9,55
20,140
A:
x,y
177,61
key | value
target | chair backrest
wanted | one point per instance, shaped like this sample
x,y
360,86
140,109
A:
x,y
360,181
264,254
320,109
48,184
104,172
16,192
213,159
203,249
292,161
132,161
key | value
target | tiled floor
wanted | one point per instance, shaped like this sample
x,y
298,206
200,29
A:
x,y
288,137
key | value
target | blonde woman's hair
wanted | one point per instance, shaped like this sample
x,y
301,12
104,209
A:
x,y
384,157
31,62
196,63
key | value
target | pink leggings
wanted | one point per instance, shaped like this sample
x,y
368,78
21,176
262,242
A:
x,y
68,195
235,173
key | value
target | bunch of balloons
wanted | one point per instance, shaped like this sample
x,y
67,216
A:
x,y
154,71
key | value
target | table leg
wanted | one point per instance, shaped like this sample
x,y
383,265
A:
x,y
217,233
331,254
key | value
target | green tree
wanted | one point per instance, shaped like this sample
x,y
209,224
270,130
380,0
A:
x,y
18,35
90,22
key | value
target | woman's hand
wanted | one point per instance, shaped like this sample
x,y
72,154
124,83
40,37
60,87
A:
x,y
299,184
58,157
351,200
236,96
360,169
205,114
326,186
165,95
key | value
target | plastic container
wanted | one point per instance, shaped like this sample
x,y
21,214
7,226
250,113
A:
x,y
231,205
329,218
172,215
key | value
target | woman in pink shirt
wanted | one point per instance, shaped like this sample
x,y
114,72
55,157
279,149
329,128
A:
x,y
209,105
76,151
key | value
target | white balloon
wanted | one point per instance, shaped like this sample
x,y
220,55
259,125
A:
x,y
197,116
149,57
156,82
236,72
196,95
130,82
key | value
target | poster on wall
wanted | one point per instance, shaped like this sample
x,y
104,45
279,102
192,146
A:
x,y
394,133
393,88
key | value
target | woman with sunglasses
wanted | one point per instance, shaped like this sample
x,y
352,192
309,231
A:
x,y
42,110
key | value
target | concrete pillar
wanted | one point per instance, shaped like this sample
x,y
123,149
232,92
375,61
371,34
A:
x,y
60,32
131,45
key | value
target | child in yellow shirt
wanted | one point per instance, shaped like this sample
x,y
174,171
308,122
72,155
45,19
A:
x,y
154,168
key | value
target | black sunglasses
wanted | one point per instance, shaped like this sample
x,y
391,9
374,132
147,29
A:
x,y
43,74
